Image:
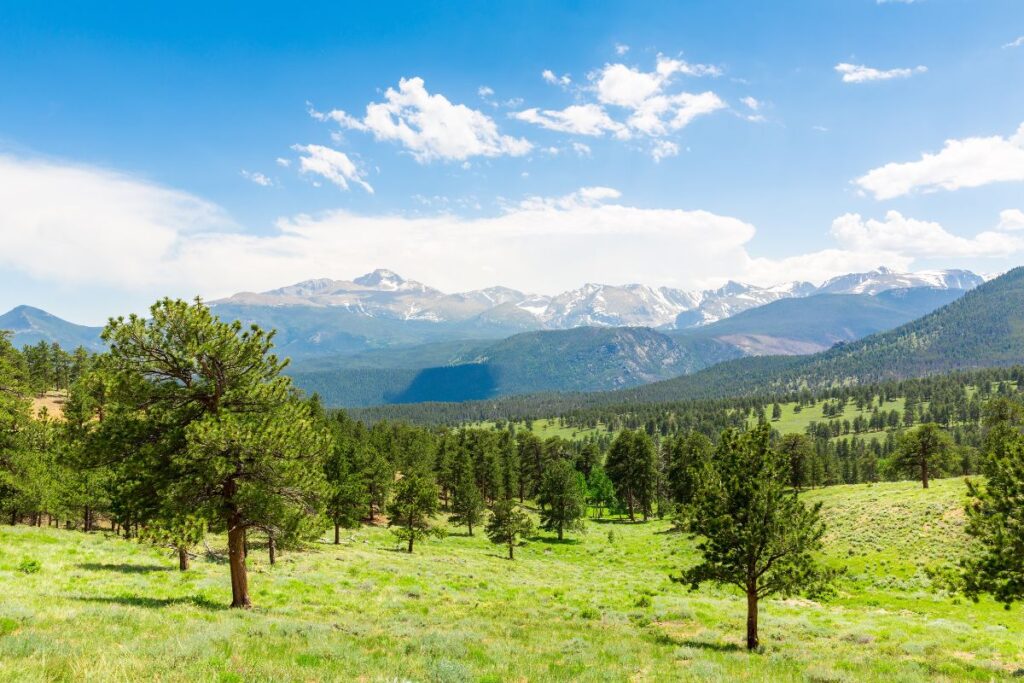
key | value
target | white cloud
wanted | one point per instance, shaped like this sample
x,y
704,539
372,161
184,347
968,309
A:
x,y
581,149
970,162
858,73
621,49
650,109
549,77
1011,219
331,164
145,241
485,91
918,239
578,119
258,178
1014,43
429,126
751,103
285,163
663,149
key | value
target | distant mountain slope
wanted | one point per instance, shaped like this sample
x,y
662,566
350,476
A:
x,y
815,323
580,359
984,328
32,325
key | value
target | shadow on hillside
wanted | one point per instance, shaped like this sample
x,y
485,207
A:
x,y
450,383
125,568
153,603
614,520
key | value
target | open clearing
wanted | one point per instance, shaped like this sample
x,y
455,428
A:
x,y
599,607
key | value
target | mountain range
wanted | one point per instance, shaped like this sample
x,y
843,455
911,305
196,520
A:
x,y
383,339
385,294
596,358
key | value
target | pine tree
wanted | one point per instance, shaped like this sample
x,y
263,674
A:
x,y
632,467
203,423
754,533
507,525
995,516
601,491
923,451
563,498
414,505
467,503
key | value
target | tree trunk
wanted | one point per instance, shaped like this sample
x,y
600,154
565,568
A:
x,y
88,519
183,559
337,534
511,545
14,518
410,541
559,532
272,548
752,640
236,558
470,526
924,474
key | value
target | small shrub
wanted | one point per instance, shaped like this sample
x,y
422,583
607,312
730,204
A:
x,y
29,566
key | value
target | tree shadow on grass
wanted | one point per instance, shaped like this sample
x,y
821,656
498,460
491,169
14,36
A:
x,y
666,639
152,603
553,540
125,568
613,520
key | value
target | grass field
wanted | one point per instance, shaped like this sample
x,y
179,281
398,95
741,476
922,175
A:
x,y
600,607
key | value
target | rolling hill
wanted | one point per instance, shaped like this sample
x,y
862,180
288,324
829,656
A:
x,y
984,328
32,325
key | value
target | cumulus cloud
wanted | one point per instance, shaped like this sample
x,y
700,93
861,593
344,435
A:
x,y
970,162
581,149
621,49
751,103
629,103
258,178
429,126
858,73
332,165
144,241
918,239
549,77
1014,43
578,119
1011,219
663,149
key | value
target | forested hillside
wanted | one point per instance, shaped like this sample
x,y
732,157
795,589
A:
x,y
580,359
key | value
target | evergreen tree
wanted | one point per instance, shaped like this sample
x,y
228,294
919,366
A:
x,y
203,423
995,515
507,525
601,491
798,449
414,505
633,468
923,451
467,503
754,533
563,498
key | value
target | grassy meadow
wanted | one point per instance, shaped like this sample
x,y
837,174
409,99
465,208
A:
x,y
599,607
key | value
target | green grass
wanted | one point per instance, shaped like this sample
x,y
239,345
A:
x,y
601,607
546,428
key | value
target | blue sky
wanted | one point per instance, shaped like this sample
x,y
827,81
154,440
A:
x,y
147,152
